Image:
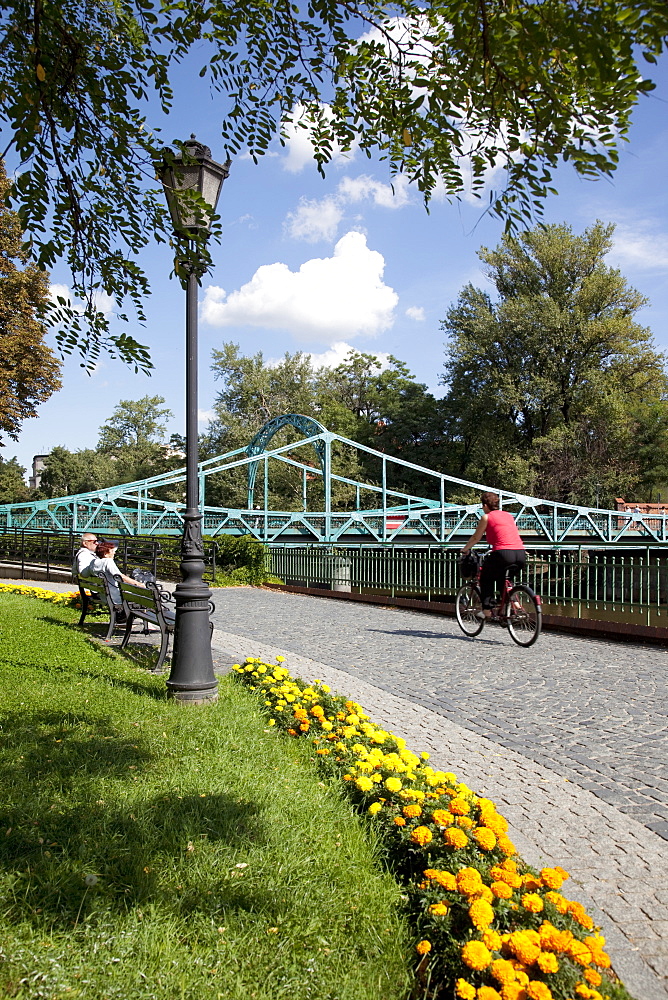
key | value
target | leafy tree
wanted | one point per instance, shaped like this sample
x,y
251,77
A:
x,y
545,382
29,369
442,91
134,438
67,473
13,488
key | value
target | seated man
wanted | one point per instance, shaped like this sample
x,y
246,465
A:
x,y
85,556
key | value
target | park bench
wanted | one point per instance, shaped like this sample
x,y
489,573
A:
x,y
151,604
99,594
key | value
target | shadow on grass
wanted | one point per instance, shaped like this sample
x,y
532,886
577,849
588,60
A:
x,y
69,854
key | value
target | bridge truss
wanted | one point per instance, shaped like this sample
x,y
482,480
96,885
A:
x,y
372,512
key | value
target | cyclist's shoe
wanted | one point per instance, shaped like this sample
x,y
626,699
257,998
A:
x,y
480,616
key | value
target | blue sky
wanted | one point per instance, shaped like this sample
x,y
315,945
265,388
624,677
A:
x,y
322,265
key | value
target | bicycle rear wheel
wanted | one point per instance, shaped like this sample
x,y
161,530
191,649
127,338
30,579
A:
x,y
468,603
524,617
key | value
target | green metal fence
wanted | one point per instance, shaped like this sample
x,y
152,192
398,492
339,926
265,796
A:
x,y
586,583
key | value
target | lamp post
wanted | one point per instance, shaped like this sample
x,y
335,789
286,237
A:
x,y
192,183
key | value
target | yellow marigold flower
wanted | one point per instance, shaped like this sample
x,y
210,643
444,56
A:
x,y
352,719
538,991
445,879
579,952
441,817
547,962
502,970
487,993
455,838
481,914
393,784
399,821
424,755
421,835
459,807
491,939
439,909
552,939
412,811
374,808
532,902
505,844
423,947
484,838
484,892
464,821
501,890
578,912
317,711
523,947
513,991
476,955
551,878
593,977
469,881
327,726
280,659
530,882
511,878
557,900
465,990
509,865
364,784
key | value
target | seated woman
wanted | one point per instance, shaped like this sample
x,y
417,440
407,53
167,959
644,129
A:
x,y
104,565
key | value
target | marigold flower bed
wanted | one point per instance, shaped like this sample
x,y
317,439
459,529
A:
x,y
72,599
488,925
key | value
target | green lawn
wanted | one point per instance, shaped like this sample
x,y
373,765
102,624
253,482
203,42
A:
x,y
149,850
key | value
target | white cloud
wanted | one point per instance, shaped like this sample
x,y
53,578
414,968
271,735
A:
x,y
416,313
338,353
314,220
394,195
640,248
328,298
205,416
298,132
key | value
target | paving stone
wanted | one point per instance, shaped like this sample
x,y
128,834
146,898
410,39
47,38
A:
x,y
510,721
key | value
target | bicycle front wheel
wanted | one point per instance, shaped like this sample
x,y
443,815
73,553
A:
x,y
525,617
468,604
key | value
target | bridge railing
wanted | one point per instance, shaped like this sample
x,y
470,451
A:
x,y
588,583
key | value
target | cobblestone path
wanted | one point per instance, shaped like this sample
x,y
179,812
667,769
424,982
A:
x,y
569,737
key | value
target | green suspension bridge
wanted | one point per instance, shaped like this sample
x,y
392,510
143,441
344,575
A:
x,y
349,511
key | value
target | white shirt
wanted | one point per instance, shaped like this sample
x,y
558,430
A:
x,y
83,563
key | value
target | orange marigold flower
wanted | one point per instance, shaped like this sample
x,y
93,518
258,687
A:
x,y
547,962
459,806
423,947
579,952
552,939
538,991
501,890
421,835
476,955
400,821
487,993
485,838
513,991
523,947
491,939
412,811
502,970
557,900
481,914
505,844
464,821
465,990
530,882
503,874
532,902
552,878
447,880
469,881
455,838
439,909
593,977
441,817
578,912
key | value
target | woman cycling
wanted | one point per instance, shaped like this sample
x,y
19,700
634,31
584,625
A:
x,y
507,555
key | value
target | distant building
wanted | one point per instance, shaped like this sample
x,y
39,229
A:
x,y
38,467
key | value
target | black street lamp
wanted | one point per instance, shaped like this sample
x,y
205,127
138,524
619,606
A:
x,y
192,183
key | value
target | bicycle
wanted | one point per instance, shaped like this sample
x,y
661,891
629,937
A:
x,y
520,610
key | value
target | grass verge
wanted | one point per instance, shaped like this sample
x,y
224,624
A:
x,y
152,851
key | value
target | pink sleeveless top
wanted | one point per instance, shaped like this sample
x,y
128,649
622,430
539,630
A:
x,y
501,531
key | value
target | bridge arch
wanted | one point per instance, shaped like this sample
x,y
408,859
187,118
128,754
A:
x,y
308,426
